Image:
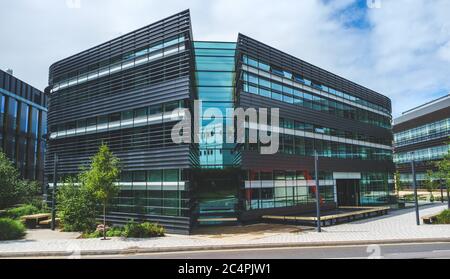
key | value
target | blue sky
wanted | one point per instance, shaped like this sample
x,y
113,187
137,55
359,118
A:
x,y
400,48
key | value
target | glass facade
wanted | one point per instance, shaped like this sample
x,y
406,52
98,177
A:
x,y
423,133
156,192
296,145
261,84
427,154
376,188
274,189
23,125
139,117
279,188
215,81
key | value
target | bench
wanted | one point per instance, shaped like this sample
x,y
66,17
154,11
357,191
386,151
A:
x,y
49,221
430,219
31,221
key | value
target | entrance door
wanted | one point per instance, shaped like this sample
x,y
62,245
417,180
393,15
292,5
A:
x,y
217,196
347,192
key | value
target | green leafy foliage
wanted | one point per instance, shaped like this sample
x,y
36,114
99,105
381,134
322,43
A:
x,y
14,190
431,183
17,212
11,229
76,207
112,232
143,230
130,230
101,178
444,217
79,196
443,172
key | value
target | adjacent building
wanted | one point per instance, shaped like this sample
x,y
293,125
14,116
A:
x,y
123,93
422,134
23,125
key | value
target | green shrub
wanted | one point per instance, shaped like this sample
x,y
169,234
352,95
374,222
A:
x,y
130,230
76,208
16,213
444,217
14,190
143,230
11,229
112,232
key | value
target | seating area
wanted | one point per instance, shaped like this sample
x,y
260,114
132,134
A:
x,y
38,220
430,219
331,217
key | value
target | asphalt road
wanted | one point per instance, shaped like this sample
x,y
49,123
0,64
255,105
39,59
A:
x,y
390,251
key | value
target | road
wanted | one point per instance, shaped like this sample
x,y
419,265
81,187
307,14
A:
x,y
388,251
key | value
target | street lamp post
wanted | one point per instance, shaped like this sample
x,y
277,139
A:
x,y
316,162
416,199
55,180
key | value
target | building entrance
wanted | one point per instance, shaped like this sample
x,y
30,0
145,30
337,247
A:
x,y
348,192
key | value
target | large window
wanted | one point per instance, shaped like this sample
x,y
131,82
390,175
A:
x,y
433,153
118,120
298,78
426,132
285,188
215,75
266,88
154,192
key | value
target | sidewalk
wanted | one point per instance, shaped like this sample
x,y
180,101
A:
x,y
397,227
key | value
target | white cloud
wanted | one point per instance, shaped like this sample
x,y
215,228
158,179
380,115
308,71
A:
x,y
405,54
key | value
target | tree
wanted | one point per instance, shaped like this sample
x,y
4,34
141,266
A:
x,y
430,183
444,168
77,207
443,173
398,183
9,178
14,190
101,178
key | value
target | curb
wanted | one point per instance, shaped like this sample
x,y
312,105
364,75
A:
x,y
137,250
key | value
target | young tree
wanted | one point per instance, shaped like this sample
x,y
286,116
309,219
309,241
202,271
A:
x,y
444,171
398,183
101,178
430,183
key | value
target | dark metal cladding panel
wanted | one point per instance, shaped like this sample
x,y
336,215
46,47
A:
x,y
172,90
423,120
174,25
422,145
312,116
132,159
161,81
285,61
419,167
255,161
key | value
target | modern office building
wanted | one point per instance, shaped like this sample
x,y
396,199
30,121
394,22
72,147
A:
x,y
23,125
422,134
123,93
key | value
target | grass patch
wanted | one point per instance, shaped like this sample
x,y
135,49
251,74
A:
x,y
443,218
17,212
11,229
